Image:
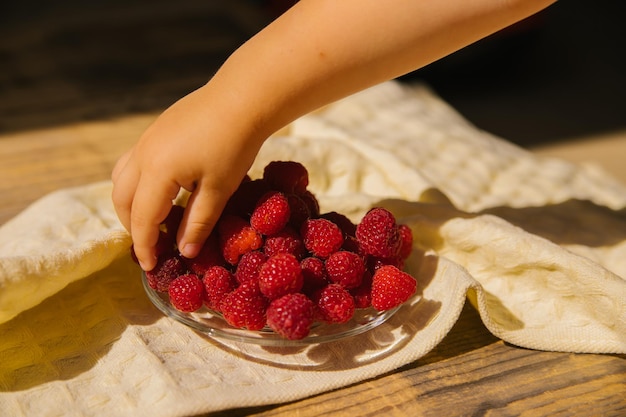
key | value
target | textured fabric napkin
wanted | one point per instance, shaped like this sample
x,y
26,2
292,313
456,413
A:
x,y
537,245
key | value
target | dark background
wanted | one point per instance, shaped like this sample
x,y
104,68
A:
x,y
558,75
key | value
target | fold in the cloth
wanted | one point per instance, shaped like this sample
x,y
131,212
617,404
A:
x,y
537,245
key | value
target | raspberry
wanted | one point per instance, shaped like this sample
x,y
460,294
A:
x,y
209,256
218,281
186,293
374,262
173,219
285,241
244,199
391,287
406,241
321,237
378,234
286,176
248,266
363,293
345,224
280,275
335,304
291,315
311,201
244,308
271,213
166,270
299,210
236,237
314,274
345,268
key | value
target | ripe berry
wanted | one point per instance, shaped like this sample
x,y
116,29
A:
x,y
218,281
280,275
291,315
335,304
345,268
391,287
285,241
236,237
286,176
244,199
209,256
378,234
363,293
248,266
173,219
299,211
244,308
345,224
314,274
186,293
406,241
271,213
321,237
166,270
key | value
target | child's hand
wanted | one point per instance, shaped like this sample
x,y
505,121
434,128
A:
x,y
315,53
192,145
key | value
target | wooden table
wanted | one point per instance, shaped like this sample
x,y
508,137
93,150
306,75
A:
x,y
470,373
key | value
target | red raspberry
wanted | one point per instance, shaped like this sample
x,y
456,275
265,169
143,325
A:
x,y
311,201
321,237
218,281
299,211
244,308
186,293
345,224
244,199
291,315
373,263
406,241
271,213
314,274
248,266
345,268
335,304
173,219
391,287
166,270
378,234
363,293
165,247
285,241
280,275
286,176
210,255
236,237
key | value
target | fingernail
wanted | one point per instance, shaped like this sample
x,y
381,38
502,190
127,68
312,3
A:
x,y
190,250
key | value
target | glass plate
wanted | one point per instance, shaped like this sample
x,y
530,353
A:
x,y
213,324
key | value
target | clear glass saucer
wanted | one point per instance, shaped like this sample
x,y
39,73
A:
x,y
213,324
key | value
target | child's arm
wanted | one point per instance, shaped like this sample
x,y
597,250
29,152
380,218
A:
x,y
317,52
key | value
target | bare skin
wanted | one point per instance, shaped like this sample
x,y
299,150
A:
x,y
316,53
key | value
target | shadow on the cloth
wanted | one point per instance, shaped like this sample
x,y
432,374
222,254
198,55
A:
x,y
573,222
68,333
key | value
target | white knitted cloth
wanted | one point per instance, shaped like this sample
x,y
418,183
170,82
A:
x,y
538,245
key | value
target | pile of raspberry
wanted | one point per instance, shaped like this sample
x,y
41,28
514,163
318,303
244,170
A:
x,y
273,260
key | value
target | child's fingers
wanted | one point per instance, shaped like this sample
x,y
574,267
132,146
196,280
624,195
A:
x,y
150,206
201,214
125,177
